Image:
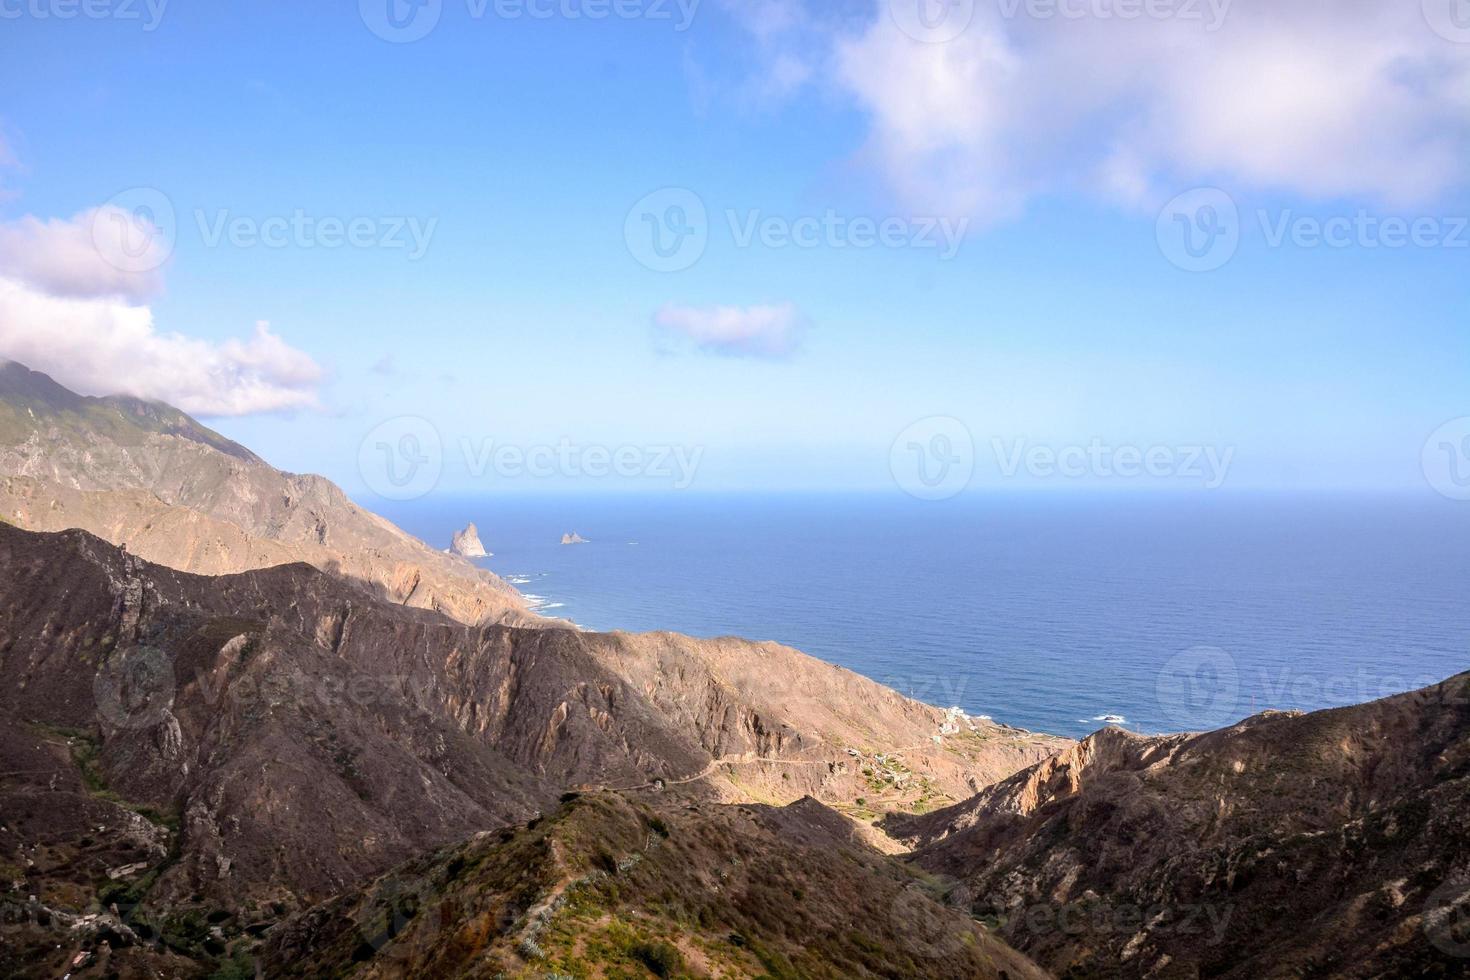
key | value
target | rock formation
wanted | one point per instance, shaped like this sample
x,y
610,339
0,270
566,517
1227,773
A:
x,y
1333,844
467,544
573,538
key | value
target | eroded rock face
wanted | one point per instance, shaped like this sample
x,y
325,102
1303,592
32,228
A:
x,y
466,544
306,735
1330,844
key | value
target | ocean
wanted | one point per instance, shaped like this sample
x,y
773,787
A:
x,y
1054,612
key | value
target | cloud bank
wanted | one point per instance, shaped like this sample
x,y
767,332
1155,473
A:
x,y
742,331
97,253
67,310
1353,99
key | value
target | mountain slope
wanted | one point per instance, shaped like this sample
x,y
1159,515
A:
x,y
290,735
614,888
1330,844
147,476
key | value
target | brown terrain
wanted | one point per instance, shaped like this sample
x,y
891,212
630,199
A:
x,y
284,733
248,726
291,735
147,477
1332,844
610,887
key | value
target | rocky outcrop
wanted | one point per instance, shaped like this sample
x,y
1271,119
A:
x,y
149,477
1330,844
573,538
466,544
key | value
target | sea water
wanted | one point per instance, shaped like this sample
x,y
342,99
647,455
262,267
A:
x,y
1055,612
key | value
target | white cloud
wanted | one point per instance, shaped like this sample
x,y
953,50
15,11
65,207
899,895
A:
x,y
1356,99
748,331
100,252
105,346
70,306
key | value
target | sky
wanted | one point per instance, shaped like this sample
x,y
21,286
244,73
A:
x,y
613,245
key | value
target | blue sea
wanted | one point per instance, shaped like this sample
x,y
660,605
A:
x,y
1054,612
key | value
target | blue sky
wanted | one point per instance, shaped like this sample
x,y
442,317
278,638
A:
x,y
529,320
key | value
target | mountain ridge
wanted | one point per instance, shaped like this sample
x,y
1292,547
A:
x,y
1316,843
146,476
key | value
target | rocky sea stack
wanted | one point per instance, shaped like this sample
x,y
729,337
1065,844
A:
x,y
573,538
467,544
